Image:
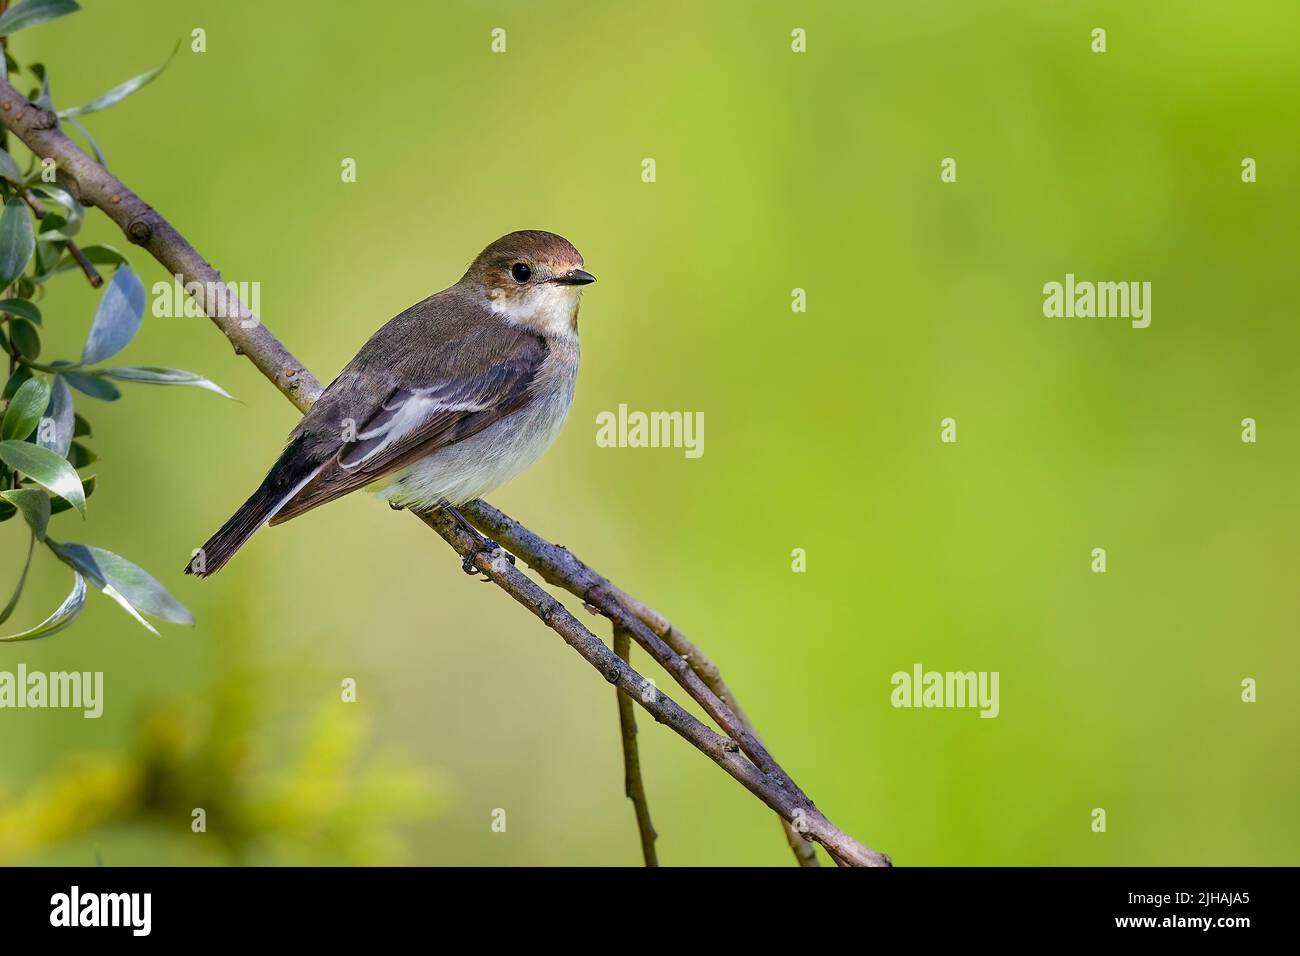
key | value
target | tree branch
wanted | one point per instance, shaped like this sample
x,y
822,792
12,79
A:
x,y
633,785
561,567
760,774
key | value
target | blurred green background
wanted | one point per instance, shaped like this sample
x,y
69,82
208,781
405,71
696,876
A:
x,y
775,170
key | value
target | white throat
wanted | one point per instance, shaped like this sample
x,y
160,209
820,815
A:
x,y
548,308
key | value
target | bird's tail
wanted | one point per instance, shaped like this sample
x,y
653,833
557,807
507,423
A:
x,y
285,479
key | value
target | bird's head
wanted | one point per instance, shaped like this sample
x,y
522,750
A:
x,y
531,278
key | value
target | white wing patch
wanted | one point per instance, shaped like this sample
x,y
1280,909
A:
x,y
407,412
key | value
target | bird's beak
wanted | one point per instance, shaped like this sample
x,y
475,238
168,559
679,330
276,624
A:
x,y
575,277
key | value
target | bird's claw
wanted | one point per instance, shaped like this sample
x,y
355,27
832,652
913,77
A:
x,y
488,546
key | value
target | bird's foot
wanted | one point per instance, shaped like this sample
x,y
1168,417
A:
x,y
486,546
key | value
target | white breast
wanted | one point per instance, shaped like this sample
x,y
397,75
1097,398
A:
x,y
484,462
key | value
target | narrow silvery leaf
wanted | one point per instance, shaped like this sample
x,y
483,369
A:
x,y
94,147
117,319
130,584
59,424
46,469
16,240
31,12
64,615
150,375
119,92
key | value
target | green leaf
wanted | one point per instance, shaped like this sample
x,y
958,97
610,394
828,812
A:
x,y
25,338
22,580
22,309
79,456
54,230
94,386
44,100
35,506
31,12
98,255
59,196
117,318
128,584
46,469
25,409
21,374
103,255
80,427
151,375
58,505
64,615
62,415
16,240
119,92
9,167
50,247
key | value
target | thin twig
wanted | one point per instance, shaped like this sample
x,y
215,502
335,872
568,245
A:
x,y
79,257
95,186
87,267
633,785
561,567
725,753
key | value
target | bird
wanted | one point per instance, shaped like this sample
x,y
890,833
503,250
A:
x,y
446,402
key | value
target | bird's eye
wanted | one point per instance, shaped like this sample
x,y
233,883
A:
x,y
520,271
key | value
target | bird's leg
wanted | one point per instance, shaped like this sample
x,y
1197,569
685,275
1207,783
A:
x,y
485,545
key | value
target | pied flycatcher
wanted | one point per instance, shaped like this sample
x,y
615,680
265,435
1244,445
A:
x,y
448,401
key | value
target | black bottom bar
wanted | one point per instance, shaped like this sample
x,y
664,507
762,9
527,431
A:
x,y
336,905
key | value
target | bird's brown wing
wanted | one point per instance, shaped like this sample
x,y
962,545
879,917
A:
x,y
418,418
